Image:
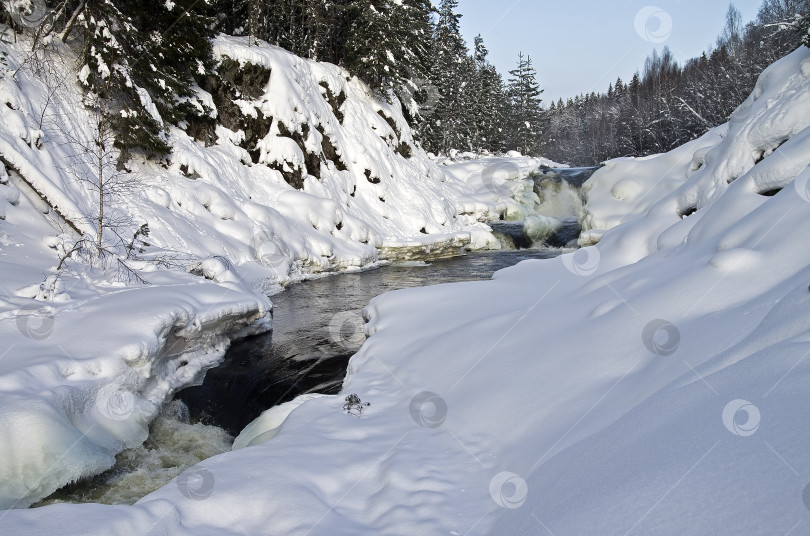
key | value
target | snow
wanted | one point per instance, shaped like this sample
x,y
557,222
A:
x,y
654,383
90,358
268,424
701,171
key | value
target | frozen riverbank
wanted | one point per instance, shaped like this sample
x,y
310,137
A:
x,y
81,379
317,326
303,173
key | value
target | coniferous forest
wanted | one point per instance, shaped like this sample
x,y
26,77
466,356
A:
x,y
409,50
668,104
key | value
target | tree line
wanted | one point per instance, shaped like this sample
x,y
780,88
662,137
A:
x,y
406,49
139,61
668,104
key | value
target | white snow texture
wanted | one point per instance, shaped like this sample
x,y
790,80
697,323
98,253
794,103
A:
x,y
654,383
88,360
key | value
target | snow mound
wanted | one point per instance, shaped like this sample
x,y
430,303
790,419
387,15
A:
x,y
764,145
268,424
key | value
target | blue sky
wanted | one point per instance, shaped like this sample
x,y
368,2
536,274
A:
x,y
583,45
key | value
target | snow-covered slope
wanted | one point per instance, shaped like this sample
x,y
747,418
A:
x,y
300,172
764,142
653,384
87,360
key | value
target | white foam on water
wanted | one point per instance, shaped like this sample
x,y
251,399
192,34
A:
x,y
174,444
558,199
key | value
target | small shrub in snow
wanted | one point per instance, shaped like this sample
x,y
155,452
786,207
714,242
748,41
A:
x,y
354,406
137,244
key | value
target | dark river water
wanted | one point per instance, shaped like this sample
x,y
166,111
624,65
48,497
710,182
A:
x,y
317,327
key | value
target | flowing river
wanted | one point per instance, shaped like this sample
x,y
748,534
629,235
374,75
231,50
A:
x,y
317,327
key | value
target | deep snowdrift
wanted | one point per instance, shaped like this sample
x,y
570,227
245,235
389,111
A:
x,y
654,383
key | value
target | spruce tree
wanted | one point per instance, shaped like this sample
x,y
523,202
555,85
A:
x,y
524,96
372,46
109,36
414,31
445,129
140,58
340,23
490,107
387,47
177,52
